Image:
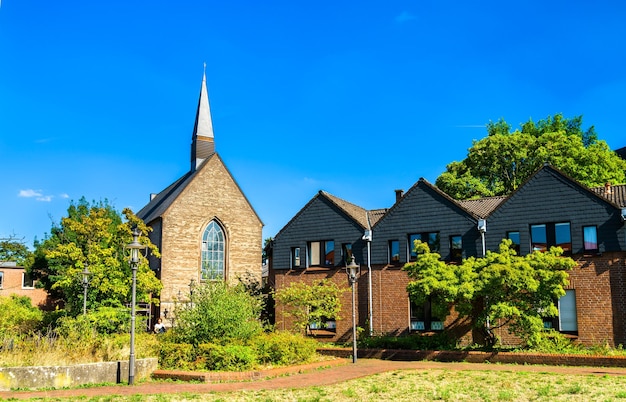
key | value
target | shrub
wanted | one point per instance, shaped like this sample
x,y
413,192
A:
x,y
283,348
438,341
18,316
232,357
219,313
178,356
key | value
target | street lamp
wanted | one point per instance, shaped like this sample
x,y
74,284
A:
x,y
192,287
86,274
352,270
134,248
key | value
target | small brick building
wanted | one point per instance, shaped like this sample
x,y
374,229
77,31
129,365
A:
x,y
549,209
15,281
203,224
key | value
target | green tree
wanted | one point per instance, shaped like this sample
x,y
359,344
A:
x,y
499,163
311,304
93,235
218,312
501,289
13,249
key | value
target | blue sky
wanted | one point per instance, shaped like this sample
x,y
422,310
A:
x,y
357,98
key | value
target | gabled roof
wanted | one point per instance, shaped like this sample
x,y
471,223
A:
x,y
354,211
617,195
358,214
424,183
548,167
621,152
482,206
159,204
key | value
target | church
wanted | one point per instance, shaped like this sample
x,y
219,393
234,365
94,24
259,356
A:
x,y
203,224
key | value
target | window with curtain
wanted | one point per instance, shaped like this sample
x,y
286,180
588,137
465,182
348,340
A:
x,y
213,252
590,238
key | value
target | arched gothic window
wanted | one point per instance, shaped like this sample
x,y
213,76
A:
x,y
213,246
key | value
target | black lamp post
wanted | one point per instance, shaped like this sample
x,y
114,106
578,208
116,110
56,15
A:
x,y
86,274
352,270
192,287
134,248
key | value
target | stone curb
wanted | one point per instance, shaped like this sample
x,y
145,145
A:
x,y
229,376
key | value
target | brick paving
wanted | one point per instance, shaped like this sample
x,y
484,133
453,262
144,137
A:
x,y
317,374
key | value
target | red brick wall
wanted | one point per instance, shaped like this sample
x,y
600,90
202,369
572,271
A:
x,y
599,281
12,284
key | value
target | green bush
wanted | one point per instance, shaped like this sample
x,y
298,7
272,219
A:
x,y
18,316
233,357
438,341
177,356
218,313
283,348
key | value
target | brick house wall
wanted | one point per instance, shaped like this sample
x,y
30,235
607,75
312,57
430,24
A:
x,y
12,284
598,280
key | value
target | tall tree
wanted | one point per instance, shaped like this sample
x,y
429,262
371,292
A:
x,y
93,236
13,249
500,289
499,163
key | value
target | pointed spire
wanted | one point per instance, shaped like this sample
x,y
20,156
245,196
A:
x,y
202,143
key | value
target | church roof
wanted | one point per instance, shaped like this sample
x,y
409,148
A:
x,y
202,141
202,150
162,201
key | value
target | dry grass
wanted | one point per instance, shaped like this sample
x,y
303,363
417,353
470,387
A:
x,y
430,385
55,351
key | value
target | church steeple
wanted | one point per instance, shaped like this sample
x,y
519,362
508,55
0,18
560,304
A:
x,y
202,143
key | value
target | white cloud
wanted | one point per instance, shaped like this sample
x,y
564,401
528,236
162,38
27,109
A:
x,y
404,17
30,193
64,195
37,194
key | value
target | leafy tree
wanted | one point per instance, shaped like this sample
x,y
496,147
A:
x,y
219,313
93,235
14,250
500,289
311,304
499,163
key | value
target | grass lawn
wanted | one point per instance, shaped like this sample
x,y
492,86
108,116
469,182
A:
x,y
428,385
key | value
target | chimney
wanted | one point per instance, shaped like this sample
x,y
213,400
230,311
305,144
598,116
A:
x,y
399,194
607,188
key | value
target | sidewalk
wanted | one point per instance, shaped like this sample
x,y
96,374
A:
x,y
317,374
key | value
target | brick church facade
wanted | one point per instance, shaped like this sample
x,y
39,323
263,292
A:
x,y
548,209
203,224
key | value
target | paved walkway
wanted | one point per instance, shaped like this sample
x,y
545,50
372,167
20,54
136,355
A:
x,y
304,376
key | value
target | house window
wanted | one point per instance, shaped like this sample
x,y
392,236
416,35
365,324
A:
x,y
346,253
422,318
590,238
321,253
329,253
1,279
567,312
213,250
514,237
546,235
432,238
539,239
27,282
563,236
456,248
295,257
412,239
394,251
